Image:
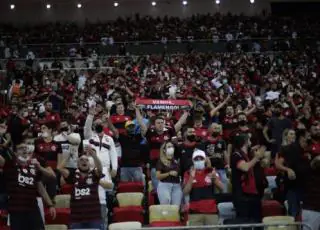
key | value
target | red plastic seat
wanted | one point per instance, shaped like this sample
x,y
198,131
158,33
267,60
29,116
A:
x,y
166,224
63,216
152,197
66,189
130,213
130,187
3,218
272,208
270,171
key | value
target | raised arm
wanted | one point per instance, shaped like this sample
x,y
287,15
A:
x,y
2,161
142,125
96,161
113,157
222,104
87,131
62,167
181,121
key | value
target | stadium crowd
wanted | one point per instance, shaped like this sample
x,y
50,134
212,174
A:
x,y
219,127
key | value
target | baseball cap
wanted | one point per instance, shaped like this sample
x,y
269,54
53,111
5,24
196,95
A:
x,y
198,153
128,123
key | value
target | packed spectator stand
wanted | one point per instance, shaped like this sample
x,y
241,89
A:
x,y
182,136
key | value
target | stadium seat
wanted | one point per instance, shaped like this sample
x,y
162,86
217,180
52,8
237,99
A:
x,y
62,201
56,227
129,199
125,226
164,215
272,171
226,211
130,208
66,189
272,208
62,217
62,204
125,187
281,220
3,218
152,195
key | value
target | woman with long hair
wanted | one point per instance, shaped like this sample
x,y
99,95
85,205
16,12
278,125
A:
x,y
288,137
168,173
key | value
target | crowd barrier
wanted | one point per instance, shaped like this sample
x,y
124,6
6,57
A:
x,y
275,226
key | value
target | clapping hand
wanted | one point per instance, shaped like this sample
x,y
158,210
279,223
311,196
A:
x,y
92,110
192,172
173,173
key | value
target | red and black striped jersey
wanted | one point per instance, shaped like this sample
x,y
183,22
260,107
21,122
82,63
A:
x,y
21,184
85,204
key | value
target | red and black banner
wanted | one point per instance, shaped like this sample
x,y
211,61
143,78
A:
x,y
155,104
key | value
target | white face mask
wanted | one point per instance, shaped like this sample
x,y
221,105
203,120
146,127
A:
x,y
170,152
199,165
23,159
30,148
44,134
2,131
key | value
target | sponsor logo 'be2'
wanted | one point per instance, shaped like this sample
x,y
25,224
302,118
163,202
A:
x,y
25,180
82,192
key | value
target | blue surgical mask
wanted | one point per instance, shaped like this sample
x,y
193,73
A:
x,y
199,165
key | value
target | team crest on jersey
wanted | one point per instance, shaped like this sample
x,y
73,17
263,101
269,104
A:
x,y
219,146
25,170
53,148
89,181
208,180
33,171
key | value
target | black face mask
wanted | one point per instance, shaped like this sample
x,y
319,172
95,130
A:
x,y
99,128
64,129
316,137
191,138
277,113
215,134
83,171
242,122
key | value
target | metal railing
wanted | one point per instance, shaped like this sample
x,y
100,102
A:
x,y
275,226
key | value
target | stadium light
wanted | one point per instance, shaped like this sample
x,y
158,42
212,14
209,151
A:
x,y
251,1
184,3
116,4
12,6
153,3
48,6
79,5
217,2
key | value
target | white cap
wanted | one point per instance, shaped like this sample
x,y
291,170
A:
x,y
198,153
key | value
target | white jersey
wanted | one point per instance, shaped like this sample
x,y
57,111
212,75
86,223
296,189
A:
x,y
69,149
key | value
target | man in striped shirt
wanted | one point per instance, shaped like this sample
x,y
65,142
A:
x,y
23,181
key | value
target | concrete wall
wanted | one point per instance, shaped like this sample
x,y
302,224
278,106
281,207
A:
x,y
34,11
